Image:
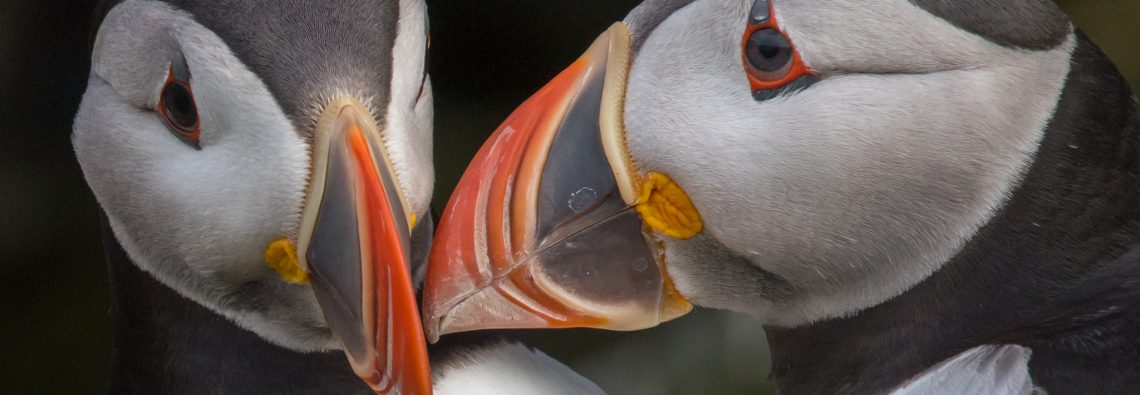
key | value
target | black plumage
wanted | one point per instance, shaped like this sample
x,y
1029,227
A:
x,y
167,344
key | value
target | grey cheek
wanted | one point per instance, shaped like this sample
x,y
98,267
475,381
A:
x,y
647,16
709,274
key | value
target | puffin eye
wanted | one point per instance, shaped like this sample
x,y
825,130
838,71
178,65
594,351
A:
x,y
177,107
769,55
773,66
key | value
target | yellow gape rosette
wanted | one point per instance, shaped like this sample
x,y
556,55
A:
x,y
281,256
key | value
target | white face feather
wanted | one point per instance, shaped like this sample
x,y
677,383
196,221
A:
x,y
199,221
851,191
408,133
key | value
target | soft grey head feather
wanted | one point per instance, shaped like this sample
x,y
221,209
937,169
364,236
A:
x,y
1030,24
647,16
199,220
305,52
855,189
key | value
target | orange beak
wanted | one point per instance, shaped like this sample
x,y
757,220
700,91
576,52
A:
x,y
354,243
541,232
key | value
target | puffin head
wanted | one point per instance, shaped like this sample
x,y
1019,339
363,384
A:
x,y
269,160
798,160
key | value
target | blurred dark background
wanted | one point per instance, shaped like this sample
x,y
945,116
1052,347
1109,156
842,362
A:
x,y
487,56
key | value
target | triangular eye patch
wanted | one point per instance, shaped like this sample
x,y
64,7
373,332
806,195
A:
x,y
761,12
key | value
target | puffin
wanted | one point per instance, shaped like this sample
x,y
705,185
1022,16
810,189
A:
x,y
912,196
264,170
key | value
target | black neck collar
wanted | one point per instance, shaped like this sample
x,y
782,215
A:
x,y
1052,271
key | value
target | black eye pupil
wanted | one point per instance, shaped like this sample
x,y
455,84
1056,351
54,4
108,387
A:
x,y
768,50
180,108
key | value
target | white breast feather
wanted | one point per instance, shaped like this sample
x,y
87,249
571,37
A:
x,y
989,369
510,369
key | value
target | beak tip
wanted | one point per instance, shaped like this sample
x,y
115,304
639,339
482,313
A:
x,y
432,329
436,326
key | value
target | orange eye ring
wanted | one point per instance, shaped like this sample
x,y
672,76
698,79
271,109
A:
x,y
766,38
177,107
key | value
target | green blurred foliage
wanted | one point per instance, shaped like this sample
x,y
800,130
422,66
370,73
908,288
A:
x,y
54,330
